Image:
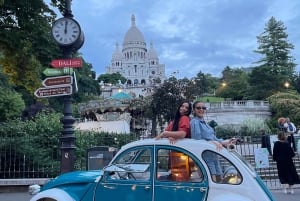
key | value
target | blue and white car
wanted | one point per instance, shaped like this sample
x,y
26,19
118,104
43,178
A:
x,y
155,170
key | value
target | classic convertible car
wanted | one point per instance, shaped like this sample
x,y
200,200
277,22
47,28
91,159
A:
x,y
155,170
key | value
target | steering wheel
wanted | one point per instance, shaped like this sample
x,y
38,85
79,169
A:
x,y
126,176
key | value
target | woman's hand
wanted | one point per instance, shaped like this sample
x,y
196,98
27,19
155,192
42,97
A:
x,y
172,140
218,145
162,135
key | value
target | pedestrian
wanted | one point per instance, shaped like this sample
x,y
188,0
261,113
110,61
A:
x,y
201,130
179,127
265,141
283,155
282,126
291,130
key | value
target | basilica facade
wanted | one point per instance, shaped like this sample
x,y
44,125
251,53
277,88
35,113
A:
x,y
140,65
137,62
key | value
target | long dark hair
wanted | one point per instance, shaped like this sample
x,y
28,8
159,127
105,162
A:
x,y
177,115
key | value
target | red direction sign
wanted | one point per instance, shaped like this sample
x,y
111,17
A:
x,y
52,81
53,91
62,63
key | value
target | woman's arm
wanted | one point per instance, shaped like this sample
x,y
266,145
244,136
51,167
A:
x,y
183,129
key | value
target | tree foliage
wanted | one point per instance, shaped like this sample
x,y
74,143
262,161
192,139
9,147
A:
x,y
285,104
234,84
112,78
88,87
276,66
165,101
197,86
27,48
35,143
11,104
25,41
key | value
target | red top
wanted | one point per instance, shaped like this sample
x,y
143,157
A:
x,y
183,125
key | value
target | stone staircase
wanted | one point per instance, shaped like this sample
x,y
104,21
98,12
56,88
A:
x,y
269,175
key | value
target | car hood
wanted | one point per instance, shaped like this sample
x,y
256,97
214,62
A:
x,y
77,177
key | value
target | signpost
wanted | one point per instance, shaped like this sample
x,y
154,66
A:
x,y
62,90
67,140
56,72
62,63
61,80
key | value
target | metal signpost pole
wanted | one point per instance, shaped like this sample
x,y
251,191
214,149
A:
x,y
67,140
67,33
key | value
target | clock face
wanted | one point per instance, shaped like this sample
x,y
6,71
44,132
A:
x,y
66,31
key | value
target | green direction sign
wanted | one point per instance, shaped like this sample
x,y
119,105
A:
x,y
56,72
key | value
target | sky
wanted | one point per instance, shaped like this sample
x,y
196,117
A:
x,y
189,36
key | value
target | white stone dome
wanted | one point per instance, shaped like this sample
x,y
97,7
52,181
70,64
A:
x,y
133,36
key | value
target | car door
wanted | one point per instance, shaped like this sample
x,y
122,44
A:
x,y
179,176
129,178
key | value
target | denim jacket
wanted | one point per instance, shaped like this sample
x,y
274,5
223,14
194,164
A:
x,y
201,130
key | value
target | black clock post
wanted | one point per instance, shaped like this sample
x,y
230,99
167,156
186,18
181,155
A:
x,y
69,44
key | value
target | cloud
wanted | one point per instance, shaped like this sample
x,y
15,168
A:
x,y
188,35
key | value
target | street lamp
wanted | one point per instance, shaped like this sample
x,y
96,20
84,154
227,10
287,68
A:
x,y
287,85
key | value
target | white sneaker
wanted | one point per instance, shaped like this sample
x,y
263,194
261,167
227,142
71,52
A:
x,y
285,190
292,191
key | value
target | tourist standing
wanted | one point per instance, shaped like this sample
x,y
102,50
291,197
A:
x,y
265,141
282,126
283,155
291,129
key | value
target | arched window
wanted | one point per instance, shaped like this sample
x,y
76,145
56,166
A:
x,y
129,82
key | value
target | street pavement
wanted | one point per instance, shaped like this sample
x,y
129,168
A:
x,y
24,196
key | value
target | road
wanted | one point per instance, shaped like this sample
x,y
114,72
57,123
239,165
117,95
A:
x,y
24,196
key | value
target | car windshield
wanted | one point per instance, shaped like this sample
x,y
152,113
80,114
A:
x,y
128,167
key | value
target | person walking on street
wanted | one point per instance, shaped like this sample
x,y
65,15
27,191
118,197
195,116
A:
x,y
283,155
265,141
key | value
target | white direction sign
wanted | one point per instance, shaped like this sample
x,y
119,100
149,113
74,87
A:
x,y
62,90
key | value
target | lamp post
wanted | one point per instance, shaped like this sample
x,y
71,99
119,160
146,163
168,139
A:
x,y
286,84
69,37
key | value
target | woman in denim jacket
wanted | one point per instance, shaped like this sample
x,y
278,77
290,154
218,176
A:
x,y
200,130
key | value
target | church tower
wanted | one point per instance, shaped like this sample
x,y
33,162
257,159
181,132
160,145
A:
x,y
139,64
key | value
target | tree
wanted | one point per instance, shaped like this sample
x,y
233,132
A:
x,y
285,105
164,102
11,104
276,66
4,80
25,42
88,87
234,84
112,78
296,81
197,86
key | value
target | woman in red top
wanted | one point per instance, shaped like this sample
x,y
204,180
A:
x,y
180,127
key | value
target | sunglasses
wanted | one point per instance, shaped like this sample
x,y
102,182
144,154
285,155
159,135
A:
x,y
199,108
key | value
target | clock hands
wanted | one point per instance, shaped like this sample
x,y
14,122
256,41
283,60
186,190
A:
x,y
66,24
66,31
